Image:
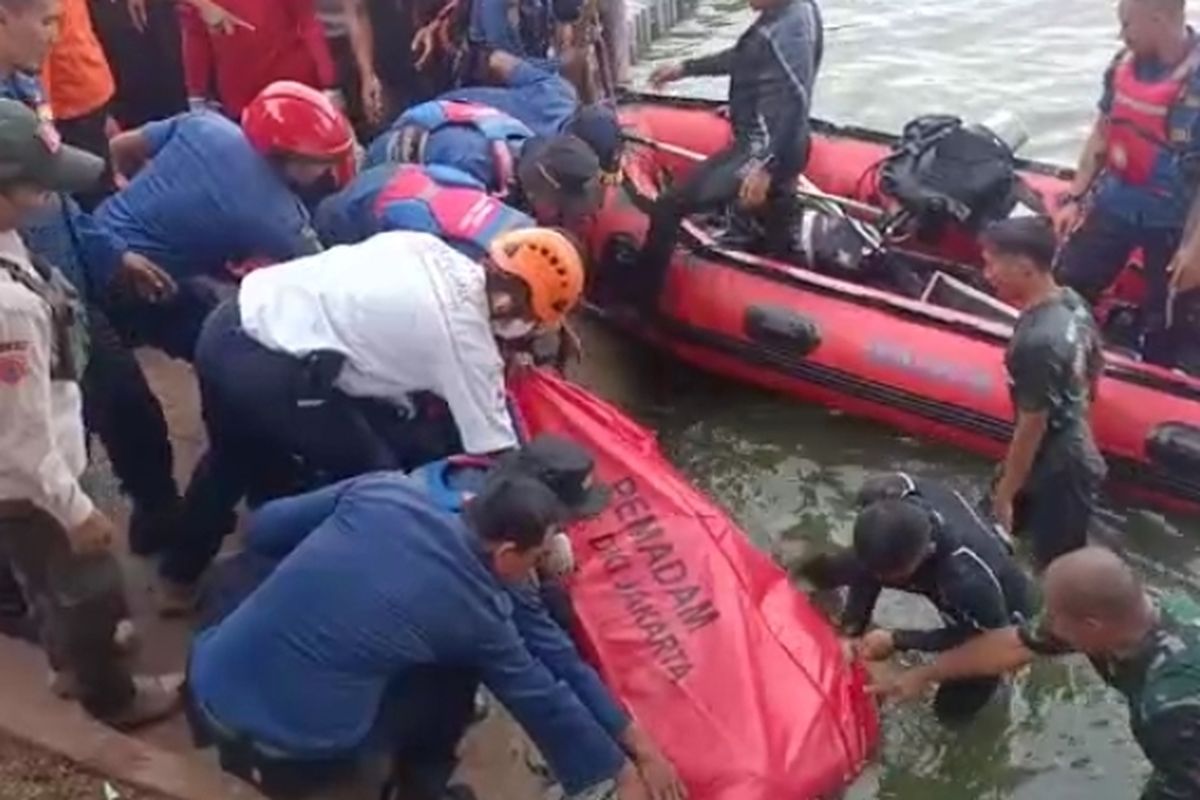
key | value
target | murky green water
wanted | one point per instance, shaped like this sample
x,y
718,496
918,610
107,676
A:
x,y
788,472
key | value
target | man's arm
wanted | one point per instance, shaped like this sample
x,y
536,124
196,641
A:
x,y
716,64
988,655
278,527
1091,160
860,605
1172,744
101,251
1027,438
550,645
27,437
579,750
130,152
973,601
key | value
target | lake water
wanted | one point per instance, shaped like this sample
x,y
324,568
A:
x,y
789,472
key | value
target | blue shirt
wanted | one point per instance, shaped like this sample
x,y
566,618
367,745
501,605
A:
x,y
207,199
536,94
399,583
86,252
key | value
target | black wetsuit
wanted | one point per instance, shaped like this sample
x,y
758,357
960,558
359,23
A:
x,y
971,577
772,70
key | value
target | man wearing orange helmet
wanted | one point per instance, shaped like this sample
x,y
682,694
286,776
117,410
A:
x,y
320,369
205,195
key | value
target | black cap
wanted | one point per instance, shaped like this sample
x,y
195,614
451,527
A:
x,y
566,468
32,152
566,167
598,126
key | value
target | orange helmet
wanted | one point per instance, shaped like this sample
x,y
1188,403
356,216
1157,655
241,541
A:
x,y
548,263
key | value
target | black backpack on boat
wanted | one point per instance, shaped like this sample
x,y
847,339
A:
x,y
942,171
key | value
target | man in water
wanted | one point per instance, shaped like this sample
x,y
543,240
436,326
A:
x,y
1148,651
1137,175
1050,478
772,70
922,537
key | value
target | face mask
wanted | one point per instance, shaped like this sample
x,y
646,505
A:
x,y
515,328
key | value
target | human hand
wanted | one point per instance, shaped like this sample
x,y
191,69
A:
x,y
1068,218
902,687
138,14
629,784
92,536
660,778
570,349
372,98
1002,509
145,280
1184,270
878,645
755,186
666,73
220,20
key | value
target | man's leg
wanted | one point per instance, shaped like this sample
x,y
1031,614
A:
x,y
957,702
119,406
1093,257
425,715
1056,513
147,65
711,184
1160,343
79,601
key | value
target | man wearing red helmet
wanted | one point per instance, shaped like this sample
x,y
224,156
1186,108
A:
x,y
206,194
326,363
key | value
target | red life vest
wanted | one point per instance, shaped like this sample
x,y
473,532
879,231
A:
x,y
433,200
1143,127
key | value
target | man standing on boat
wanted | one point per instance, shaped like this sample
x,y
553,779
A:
x,y
772,70
1050,478
1137,176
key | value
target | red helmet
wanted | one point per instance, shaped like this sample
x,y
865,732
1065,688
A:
x,y
289,118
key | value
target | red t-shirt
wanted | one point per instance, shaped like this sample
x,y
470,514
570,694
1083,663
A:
x,y
287,43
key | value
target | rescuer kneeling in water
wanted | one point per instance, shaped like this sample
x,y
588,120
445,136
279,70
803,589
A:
x,y
772,70
424,605
1137,177
1148,651
1050,478
922,537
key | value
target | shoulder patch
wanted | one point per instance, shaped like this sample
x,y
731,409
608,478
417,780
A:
x,y
14,363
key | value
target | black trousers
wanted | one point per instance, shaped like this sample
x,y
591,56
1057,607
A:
x,y
147,66
90,133
276,426
1053,513
711,185
120,407
1096,254
78,601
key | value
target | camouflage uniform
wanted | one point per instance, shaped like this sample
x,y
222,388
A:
x,y
1161,684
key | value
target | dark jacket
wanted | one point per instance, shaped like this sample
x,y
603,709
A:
x,y
970,576
772,70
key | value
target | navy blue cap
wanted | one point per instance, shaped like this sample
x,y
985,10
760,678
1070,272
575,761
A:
x,y
598,125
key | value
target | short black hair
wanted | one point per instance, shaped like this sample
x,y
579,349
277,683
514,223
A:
x,y
514,508
890,485
891,534
1030,237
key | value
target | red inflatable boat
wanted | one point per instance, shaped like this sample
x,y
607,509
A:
x,y
736,676
912,361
